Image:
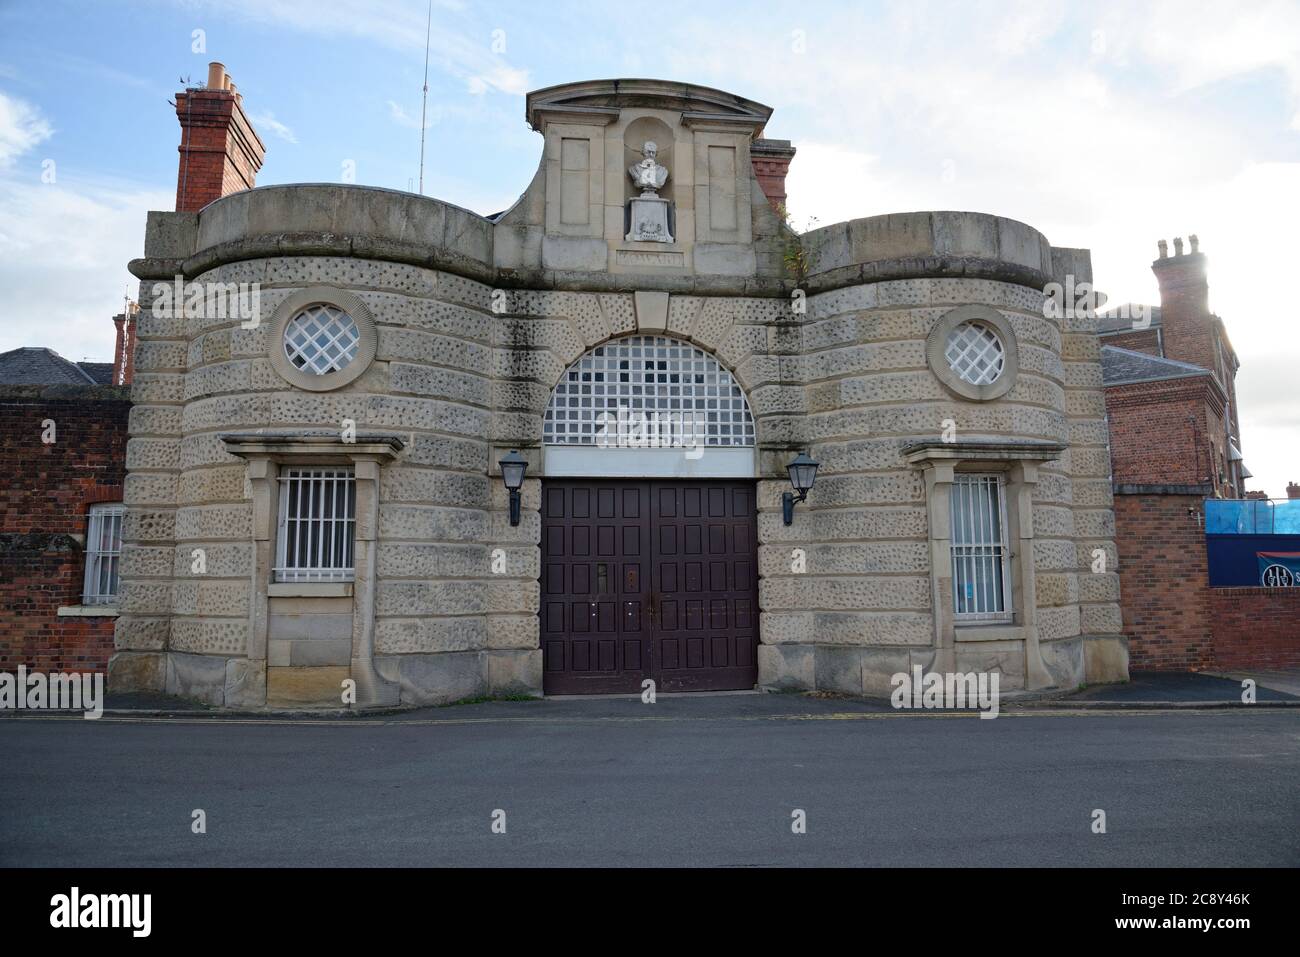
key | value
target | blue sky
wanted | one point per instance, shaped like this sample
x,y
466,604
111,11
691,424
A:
x,y
1104,124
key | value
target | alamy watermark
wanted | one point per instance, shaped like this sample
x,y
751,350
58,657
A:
x,y
1079,300
936,690
58,691
179,299
634,429
76,910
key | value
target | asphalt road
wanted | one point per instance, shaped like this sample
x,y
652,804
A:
x,y
686,781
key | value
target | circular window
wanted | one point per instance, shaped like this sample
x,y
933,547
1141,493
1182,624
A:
x,y
972,350
321,338
975,353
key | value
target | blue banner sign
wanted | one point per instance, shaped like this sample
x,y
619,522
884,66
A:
x,y
1279,569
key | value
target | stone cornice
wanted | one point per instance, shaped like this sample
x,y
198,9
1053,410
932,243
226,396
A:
x,y
934,450
316,447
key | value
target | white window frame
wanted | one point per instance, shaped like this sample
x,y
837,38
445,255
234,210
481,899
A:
x,y
97,557
978,546
329,552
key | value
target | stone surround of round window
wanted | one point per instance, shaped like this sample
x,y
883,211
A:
x,y
972,350
321,338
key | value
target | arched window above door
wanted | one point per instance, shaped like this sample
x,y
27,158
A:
x,y
643,388
648,406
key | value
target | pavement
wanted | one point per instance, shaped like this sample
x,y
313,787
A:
x,y
1283,681
1155,689
690,780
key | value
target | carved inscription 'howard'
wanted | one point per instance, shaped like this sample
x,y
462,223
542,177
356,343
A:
x,y
636,257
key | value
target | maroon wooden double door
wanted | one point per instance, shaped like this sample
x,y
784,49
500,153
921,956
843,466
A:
x,y
648,579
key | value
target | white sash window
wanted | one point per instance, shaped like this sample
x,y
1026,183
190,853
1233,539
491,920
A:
x,y
103,554
980,582
318,508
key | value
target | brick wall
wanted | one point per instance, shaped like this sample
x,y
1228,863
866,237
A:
x,y
1255,627
1144,340
1164,432
47,492
1164,581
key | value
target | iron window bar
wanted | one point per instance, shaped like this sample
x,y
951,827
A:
x,y
980,581
317,525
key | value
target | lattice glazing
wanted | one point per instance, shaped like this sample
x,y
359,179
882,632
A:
x,y
320,339
975,353
670,386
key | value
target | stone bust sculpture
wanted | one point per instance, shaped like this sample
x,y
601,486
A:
x,y
648,175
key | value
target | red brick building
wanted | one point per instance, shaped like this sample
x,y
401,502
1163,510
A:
x,y
63,432
1170,375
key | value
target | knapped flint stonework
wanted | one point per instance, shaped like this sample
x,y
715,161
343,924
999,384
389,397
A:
x,y
476,322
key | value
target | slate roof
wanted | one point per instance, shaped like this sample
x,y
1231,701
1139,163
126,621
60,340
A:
x,y
1119,366
1120,318
101,372
40,366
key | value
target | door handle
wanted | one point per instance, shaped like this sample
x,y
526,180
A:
x,y
652,607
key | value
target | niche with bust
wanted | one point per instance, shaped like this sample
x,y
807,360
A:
x,y
649,214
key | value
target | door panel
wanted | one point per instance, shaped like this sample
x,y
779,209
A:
x,y
648,580
595,633
706,637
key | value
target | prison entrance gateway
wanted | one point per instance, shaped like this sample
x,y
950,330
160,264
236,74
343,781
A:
x,y
649,524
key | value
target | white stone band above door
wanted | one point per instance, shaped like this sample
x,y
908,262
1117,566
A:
x,y
589,461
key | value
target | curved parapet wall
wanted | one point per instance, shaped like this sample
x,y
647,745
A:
x,y
368,223
319,219
926,244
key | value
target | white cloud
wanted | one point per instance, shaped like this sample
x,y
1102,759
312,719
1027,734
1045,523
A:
x,y
401,117
266,121
22,128
502,78
63,256
1105,145
398,25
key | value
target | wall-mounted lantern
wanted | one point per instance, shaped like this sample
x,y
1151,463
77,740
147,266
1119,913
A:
x,y
513,467
803,472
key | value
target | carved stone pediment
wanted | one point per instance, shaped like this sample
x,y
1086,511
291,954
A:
x,y
599,102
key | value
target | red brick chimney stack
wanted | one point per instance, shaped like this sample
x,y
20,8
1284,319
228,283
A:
x,y
124,352
1187,327
1292,490
220,151
771,161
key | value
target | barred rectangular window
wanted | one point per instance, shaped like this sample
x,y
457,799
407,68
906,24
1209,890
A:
x,y
318,508
979,548
103,554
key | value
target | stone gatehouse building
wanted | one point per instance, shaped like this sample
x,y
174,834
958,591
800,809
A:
x,y
316,495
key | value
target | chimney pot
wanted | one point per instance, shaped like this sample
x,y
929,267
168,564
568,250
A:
x,y
1164,249
1196,243
1178,245
124,351
216,75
